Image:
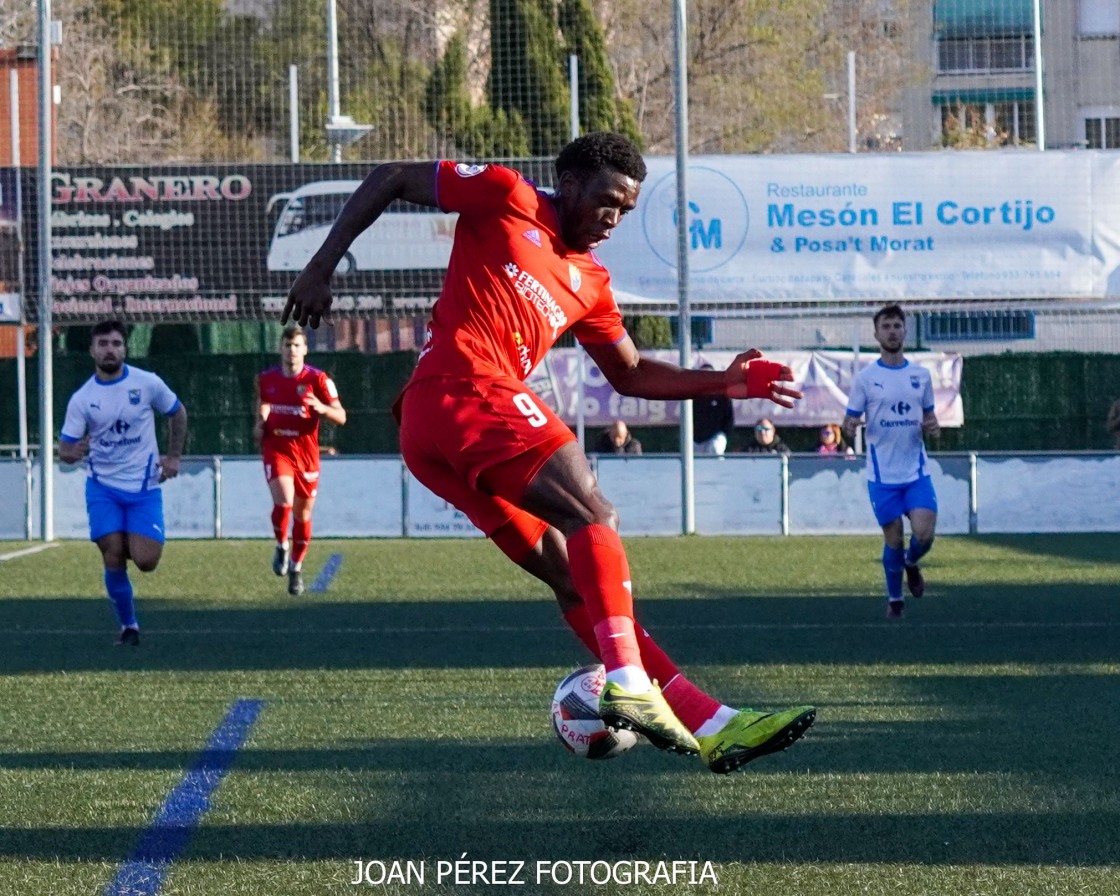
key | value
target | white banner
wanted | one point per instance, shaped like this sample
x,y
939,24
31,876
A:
x,y
876,228
824,377
10,308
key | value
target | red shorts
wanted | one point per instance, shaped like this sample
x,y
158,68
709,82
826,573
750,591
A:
x,y
306,481
478,443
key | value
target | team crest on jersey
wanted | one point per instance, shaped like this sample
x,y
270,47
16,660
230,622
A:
x,y
301,391
134,396
533,236
575,276
914,382
464,170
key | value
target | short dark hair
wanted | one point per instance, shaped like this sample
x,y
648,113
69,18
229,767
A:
x,y
893,310
106,327
291,331
593,152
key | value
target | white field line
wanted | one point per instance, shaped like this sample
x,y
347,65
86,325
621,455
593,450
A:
x,y
35,549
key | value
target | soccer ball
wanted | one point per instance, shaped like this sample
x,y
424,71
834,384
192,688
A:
x,y
575,716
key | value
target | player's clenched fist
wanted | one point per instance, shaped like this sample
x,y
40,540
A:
x,y
752,376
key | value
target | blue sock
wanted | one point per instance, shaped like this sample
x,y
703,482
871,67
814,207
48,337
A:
x,y
917,550
892,566
120,593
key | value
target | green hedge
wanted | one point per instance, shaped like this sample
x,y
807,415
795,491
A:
x,y
1055,401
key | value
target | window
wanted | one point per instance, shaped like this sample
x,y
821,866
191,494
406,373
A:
x,y
1098,18
986,54
988,124
1102,133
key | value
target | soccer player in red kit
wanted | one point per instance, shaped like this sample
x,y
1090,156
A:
x,y
522,271
290,400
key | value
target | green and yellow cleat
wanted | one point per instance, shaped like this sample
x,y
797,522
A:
x,y
752,734
649,715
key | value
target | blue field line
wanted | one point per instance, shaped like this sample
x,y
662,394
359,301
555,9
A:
x,y
167,836
330,568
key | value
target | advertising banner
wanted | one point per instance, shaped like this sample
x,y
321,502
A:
x,y
876,228
225,242
824,377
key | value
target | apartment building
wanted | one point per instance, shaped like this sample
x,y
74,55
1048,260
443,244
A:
x,y
982,81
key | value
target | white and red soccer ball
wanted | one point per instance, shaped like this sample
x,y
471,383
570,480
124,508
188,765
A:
x,y
575,716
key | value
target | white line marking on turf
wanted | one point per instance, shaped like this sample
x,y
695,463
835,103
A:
x,y
31,550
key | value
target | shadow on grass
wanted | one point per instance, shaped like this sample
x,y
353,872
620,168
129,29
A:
x,y
1087,547
445,804
974,625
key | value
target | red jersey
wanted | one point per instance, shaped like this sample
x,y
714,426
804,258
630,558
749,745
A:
x,y
291,427
512,286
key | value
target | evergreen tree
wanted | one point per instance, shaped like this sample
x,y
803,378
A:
x,y
600,108
527,75
478,132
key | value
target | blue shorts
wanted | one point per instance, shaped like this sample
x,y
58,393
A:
x,y
112,510
893,501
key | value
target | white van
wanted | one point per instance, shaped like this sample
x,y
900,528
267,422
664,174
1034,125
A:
x,y
416,239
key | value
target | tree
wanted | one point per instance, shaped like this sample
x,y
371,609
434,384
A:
x,y
600,106
123,101
759,70
476,131
526,77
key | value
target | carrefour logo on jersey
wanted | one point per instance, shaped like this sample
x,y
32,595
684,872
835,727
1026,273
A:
x,y
718,219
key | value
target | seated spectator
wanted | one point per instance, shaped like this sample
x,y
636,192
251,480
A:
x,y
832,440
617,439
766,439
713,419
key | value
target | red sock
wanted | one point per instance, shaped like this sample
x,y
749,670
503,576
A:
x,y
601,577
301,538
580,623
690,704
281,515
600,573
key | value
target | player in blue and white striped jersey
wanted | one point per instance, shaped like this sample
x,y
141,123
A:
x,y
110,421
897,399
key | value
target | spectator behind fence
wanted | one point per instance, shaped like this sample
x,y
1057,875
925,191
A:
x,y
617,439
832,440
713,418
766,439
1113,423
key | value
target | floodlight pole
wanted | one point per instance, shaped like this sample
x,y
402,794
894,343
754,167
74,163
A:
x,y
1039,109
46,306
852,101
581,365
342,130
333,110
684,319
293,112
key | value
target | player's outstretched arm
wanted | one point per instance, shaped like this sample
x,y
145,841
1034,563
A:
x,y
749,376
752,376
309,299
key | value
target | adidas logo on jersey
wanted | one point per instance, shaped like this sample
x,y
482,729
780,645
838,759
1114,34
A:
x,y
533,236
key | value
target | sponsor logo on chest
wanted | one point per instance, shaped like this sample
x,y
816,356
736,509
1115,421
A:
x,y
533,291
